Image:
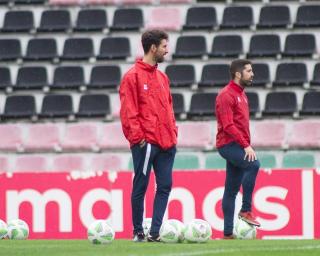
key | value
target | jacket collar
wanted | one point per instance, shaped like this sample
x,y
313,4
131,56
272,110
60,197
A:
x,y
236,87
145,66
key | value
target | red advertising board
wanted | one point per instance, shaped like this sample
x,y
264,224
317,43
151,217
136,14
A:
x,y
62,205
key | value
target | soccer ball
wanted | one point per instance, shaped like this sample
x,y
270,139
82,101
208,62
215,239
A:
x,y
146,224
243,230
18,229
172,231
99,232
3,229
198,231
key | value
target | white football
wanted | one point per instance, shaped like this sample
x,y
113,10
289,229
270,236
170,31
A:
x,y
3,229
146,224
198,231
243,230
171,231
18,229
100,232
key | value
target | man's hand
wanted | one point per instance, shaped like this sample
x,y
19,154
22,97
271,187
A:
x,y
142,143
250,154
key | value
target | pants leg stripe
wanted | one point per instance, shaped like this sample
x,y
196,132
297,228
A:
x,y
146,160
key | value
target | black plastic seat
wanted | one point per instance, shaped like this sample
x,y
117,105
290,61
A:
x,y
91,20
18,21
10,49
105,77
190,47
280,103
308,16
299,45
253,100
77,49
203,17
277,16
229,46
5,78
311,104
178,105
19,106
68,77
114,48
202,105
264,46
29,2
214,75
237,17
94,105
31,78
181,75
127,19
316,76
41,49
56,106
291,74
55,21
261,74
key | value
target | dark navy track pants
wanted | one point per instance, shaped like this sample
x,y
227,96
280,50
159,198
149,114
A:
x,y
238,172
162,161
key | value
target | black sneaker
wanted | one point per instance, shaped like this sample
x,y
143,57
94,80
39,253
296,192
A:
x,y
138,237
155,238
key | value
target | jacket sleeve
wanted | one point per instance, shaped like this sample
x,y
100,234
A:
x,y
171,107
129,110
225,113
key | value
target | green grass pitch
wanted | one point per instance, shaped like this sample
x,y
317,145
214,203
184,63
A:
x,y
129,248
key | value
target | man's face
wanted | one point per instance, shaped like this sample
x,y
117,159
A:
x,y
246,76
161,51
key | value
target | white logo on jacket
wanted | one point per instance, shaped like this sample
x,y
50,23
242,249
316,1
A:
x,y
145,87
239,99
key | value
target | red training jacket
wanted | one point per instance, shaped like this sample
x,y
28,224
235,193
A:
x,y
146,106
232,112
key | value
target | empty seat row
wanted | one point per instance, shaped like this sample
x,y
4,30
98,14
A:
x,y
64,77
217,75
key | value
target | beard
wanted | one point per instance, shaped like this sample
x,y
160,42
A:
x,y
245,83
159,58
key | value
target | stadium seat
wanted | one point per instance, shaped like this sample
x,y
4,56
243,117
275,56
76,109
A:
x,y
18,21
112,137
299,45
55,21
106,162
203,17
32,163
56,106
316,76
253,99
291,74
69,2
33,77
267,160
68,162
29,2
77,49
105,77
4,164
305,134
41,49
68,77
298,160
214,75
131,2
214,161
266,134
202,105
310,104
178,105
80,137
196,135
274,16
190,47
127,19
165,18
19,106
280,103
91,20
114,48
264,46
308,16
42,138
235,17
181,75
226,46
185,161
261,74
10,49
5,78
94,105
11,138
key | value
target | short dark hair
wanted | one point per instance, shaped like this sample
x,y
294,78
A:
x,y
151,37
238,66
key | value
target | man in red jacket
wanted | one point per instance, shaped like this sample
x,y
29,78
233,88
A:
x,y
149,125
233,144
